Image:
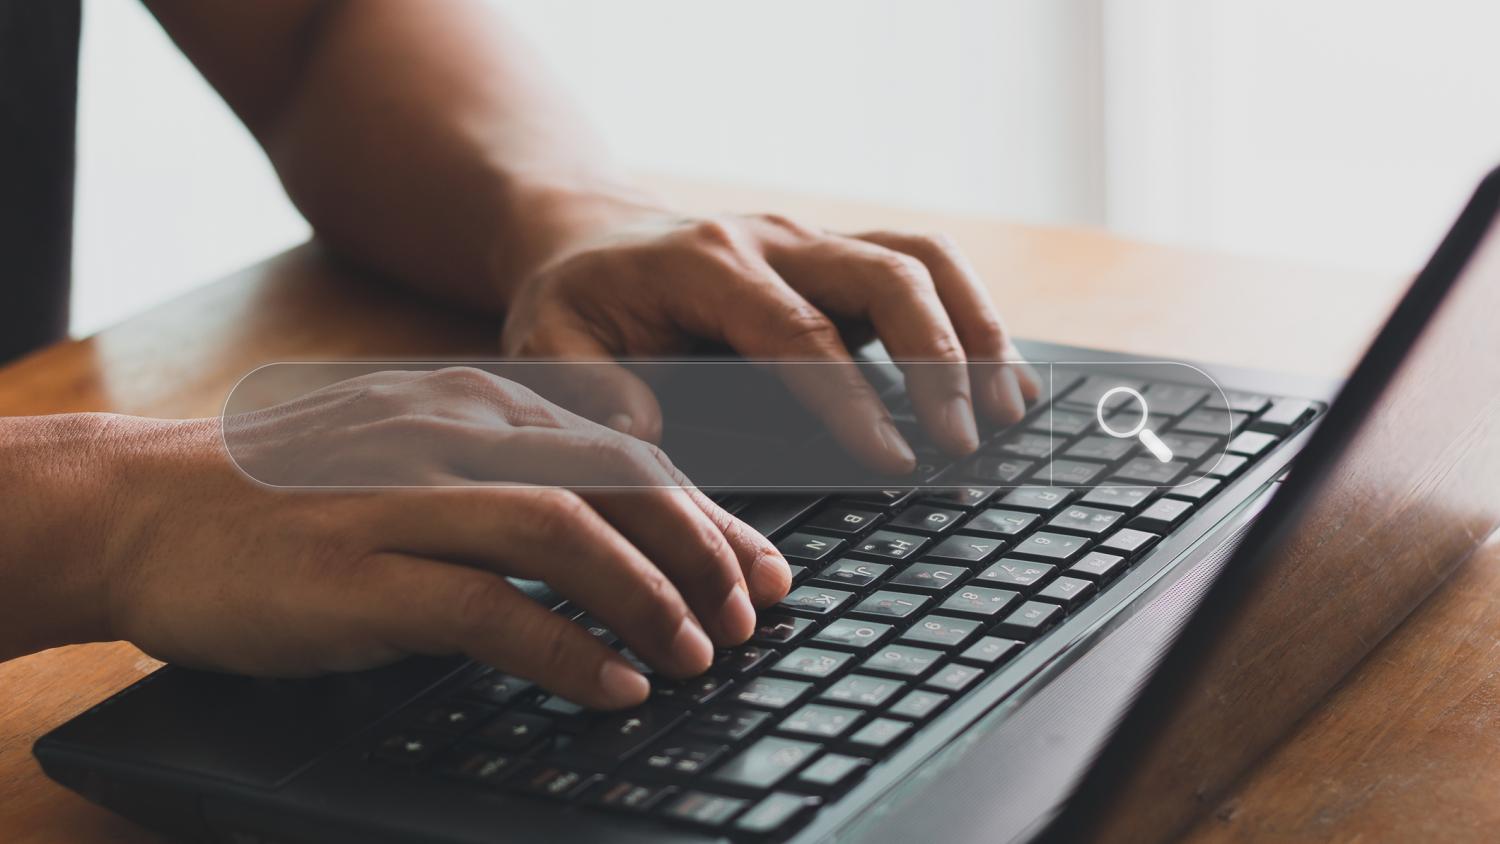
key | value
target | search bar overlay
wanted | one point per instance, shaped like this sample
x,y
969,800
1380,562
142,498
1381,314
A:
x,y
729,425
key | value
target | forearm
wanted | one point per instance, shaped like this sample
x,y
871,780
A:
x,y
53,589
425,141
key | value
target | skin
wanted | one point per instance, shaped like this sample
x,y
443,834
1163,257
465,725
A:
x,y
422,141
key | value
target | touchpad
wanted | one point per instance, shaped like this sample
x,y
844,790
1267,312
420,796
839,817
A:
x,y
250,731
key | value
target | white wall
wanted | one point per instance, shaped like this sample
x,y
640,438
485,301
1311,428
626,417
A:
x,y
1344,132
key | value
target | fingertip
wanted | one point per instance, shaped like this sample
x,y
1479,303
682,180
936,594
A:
x,y
899,459
770,578
621,686
736,617
1006,393
960,430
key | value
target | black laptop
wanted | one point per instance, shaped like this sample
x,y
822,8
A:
x,y
1064,637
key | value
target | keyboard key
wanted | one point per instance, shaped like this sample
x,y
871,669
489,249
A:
x,y
1128,542
1029,620
846,521
457,718
684,755
815,599
1186,446
628,796
954,677
1118,497
596,628
727,724
964,497
1083,519
797,572
410,748
766,762
814,663
479,765
1036,446
853,574
1150,471
1251,443
1098,566
880,734
1104,449
940,631
997,470
1163,515
883,498
1070,472
1174,399
929,577
1223,466
1064,423
890,545
918,704
991,650
1068,591
1020,574
702,808
1236,401
515,731
779,628
808,546
1053,547
1209,422
965,548
863,690
980,601
620,735
997,522
778,811
926,518
565,713
772,692
743,659
886,604
821,720
556,782
1199,490
832,772
903,660
499,688
853,633
1283,417
690,691
1093,388
1043,499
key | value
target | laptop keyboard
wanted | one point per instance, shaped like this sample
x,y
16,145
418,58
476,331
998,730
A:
x,y
904,600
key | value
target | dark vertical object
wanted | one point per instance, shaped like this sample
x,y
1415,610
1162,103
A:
x,y
38,110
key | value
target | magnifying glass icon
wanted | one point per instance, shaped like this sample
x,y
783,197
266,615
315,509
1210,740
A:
x,y
1149,439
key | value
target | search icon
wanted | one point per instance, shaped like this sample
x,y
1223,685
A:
x,y
1148,438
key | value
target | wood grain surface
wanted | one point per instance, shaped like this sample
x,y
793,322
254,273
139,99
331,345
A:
x,y
1404,750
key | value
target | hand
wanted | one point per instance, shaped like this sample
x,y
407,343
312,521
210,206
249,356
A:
x,y
771,288
206,568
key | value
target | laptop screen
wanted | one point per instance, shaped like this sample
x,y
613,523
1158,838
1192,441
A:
x,y
1395,489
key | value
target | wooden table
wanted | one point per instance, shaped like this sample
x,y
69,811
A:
x,y
1404,750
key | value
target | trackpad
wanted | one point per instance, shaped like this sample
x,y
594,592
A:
x,y
250,731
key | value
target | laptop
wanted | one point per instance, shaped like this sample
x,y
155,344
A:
x,y
1040,652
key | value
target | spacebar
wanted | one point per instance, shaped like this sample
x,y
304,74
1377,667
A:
x,y
771,513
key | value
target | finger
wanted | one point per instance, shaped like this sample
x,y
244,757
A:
x,y
425,606
552,535
589,382
765,570
895,292
979,328
750,307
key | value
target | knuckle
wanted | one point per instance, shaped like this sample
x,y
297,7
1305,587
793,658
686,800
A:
x,y
557,512
467,378
934,243
804,324
988,334
787,224
477,605
657,598
717,233
554,647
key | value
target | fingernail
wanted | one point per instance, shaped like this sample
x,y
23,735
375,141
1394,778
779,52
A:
x,y
770,577
896,444
1007,393
958,419
621,685
737,617
620,422
691,646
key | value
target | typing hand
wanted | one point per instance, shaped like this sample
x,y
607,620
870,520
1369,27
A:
x,y
771,289
207,568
